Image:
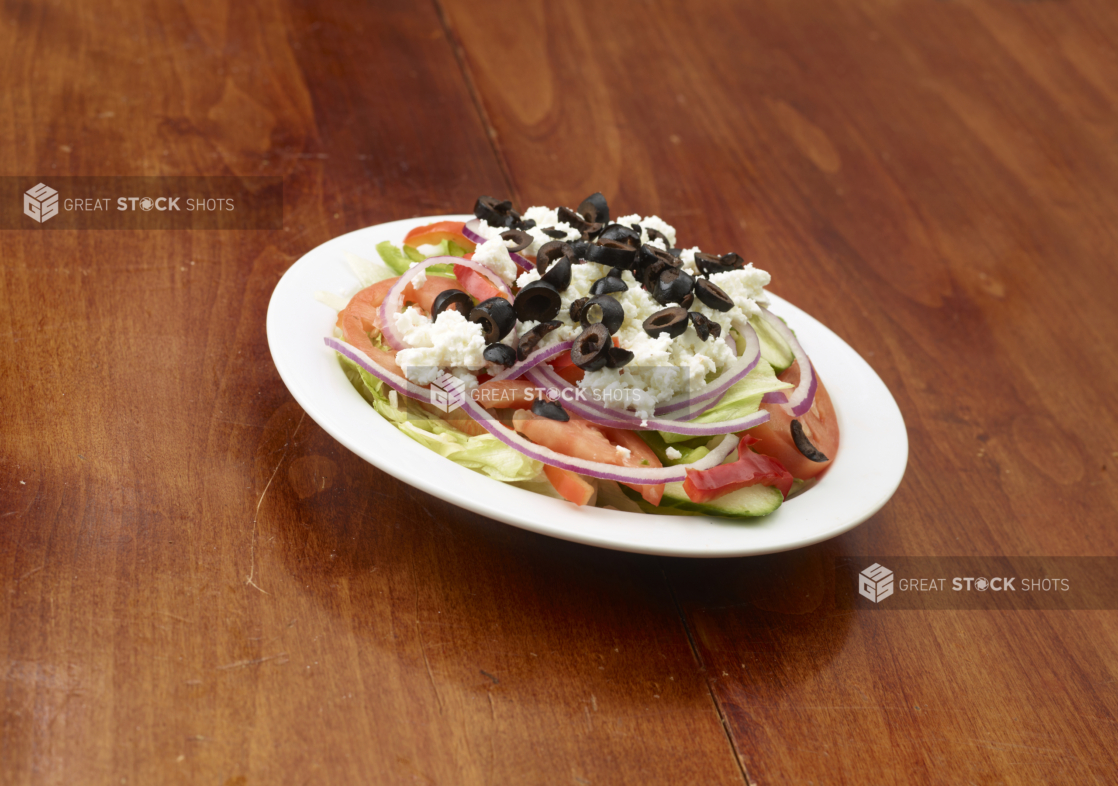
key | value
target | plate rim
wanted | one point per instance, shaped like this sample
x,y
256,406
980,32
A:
x,y
286,310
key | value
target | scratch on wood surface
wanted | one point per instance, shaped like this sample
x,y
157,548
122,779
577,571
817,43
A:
x,y
240,664
423,649
252,543
492,735
172,616
29,573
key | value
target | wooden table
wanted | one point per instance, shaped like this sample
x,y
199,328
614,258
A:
x,y
201,586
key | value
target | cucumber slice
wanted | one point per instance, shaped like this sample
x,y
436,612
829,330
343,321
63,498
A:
x,y
774,348
749,502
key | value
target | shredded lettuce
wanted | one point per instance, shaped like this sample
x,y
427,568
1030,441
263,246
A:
x,y
483,453
368,272
743,398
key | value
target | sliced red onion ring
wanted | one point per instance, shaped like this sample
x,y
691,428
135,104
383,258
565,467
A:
x,y
733,374
394,299
470,231
394,381
799,400
514,440
606,416
539,356
594,469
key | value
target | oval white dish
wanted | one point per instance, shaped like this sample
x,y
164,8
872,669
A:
x,y
867,470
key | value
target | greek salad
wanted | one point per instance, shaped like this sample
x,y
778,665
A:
x,y
588,357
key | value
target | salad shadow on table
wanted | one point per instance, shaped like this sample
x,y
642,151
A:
x,y
490,599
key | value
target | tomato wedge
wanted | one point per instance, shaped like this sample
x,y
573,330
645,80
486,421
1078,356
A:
x,y
506,394
424,296
477,285
640,455
359,318
433,234
751,469
819,424
584,440
571,373
571,485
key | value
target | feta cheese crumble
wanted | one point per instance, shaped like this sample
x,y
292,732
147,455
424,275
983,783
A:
x,y
494,254
547,218
673,454
663,368
647,223
450,341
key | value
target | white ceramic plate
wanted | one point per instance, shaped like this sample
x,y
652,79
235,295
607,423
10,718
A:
x,y
865,473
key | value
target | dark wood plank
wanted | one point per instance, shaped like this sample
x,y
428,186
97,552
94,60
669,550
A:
x,y
198,585
936,182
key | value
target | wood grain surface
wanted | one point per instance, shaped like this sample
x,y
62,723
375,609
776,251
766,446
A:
x,y
200,586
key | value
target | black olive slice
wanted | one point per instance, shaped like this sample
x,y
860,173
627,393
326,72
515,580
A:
x,y
496,317
501,354
494,212
591,349
537,302
688,299
608,284
607,252
577,222
451,298
732,261
647,256
803,444
704,327
577,307
676,252
529,340
712,296
612,313
656,234
520,239
672,321
651,274
672,285
709,264
552,410
594,209
622,234
558,234
701,325
551,251
559,274
619,357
